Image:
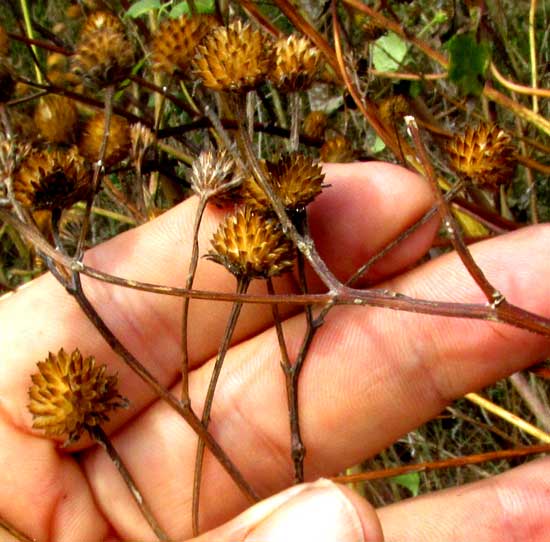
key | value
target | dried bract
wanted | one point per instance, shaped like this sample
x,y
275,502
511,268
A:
x,y
52,179
235,58
252,246
71,394
175,43
296,64
337,149
103,55
484,155
56,118
315,124
118,139
214,173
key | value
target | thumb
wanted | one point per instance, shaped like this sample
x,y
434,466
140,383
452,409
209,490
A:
x,y
316,512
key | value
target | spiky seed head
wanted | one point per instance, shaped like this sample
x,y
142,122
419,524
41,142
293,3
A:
x,y
214,173
118,139
394,108
175,43
315,124
296,63
484,155
56,118
250,245
70,394
101,21
337,149
295,178
235,58
103,54
4,42
372,30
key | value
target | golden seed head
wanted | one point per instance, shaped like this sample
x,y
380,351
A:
x,y
118,140
315,124
484,155
393,108
70,394
235,58
52,179
101,21
213,173
337,149
56,118
4,42
296,63
295,178
175,43
249,245
103,55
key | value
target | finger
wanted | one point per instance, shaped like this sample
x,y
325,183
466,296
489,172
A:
x,y
316,512
511,506
42,317
371,376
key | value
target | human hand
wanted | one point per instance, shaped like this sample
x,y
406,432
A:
x,y
371,376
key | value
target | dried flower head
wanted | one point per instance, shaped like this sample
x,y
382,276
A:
x,y
213,174
250,245
70,394
52,179
337,149
175,43
4,42
235,58
315,124
372,30
56,118
118,139
484,155
296,63
394,108
103,55
295,178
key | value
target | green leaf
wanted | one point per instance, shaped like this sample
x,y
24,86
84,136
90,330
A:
x,y
203,6
141,7
468,62
410,481
378,145
389,52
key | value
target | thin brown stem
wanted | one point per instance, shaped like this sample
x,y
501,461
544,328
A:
x,y
14,531
185,312
97,433
295,107
242,286
99,168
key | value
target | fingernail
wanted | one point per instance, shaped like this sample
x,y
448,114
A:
x,y
318,513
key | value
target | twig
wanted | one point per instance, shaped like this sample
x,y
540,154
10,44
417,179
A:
x,y
536,406
242,286
533,52
97,433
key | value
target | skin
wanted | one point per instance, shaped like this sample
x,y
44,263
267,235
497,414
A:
x,y
372,375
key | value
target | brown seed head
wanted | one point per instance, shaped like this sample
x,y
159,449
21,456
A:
x,y
393,108
52,179
484,155
118,140
175,43
315,124
4,42
249,245
56,117
103,55
337,149
71,394
296,63
213,174
372,30
235,58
